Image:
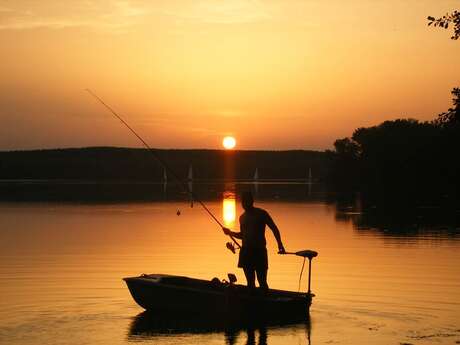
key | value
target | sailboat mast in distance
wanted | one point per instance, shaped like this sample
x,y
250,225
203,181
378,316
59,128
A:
x,y
190,183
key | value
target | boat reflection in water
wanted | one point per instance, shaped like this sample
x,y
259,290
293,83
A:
x,y
150,326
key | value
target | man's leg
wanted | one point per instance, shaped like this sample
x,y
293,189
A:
x,y
250,276
262,278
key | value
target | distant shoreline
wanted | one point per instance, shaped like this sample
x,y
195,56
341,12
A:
x,y
155,149
147,182
128,164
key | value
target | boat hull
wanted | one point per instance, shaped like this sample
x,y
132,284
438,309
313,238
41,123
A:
x,y
174,295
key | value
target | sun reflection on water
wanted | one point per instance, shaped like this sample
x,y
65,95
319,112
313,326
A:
x,y
229,208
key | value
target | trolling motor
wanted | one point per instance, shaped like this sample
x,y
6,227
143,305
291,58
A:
x,y
306,254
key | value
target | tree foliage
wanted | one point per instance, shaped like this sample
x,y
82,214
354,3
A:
x,y
403,158
452,116
446,21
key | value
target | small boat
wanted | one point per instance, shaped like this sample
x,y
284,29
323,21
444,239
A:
x,y
188,296
177,295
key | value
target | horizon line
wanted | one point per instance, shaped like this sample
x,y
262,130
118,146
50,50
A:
x,y
157,148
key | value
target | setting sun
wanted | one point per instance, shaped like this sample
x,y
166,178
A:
x,y
229,142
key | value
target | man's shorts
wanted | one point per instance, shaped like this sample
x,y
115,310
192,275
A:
x,y
253,258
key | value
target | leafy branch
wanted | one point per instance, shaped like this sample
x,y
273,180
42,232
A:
x,y
449,19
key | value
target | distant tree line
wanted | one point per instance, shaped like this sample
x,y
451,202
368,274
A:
x,y
403,159
137,165
125,174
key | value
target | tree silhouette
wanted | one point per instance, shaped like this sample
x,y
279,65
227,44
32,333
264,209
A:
x,y
451,116
449,19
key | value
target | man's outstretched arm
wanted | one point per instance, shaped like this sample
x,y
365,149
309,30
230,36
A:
x,y
229,232
276,232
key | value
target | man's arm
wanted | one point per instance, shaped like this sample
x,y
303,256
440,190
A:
x,y
271,224
229,232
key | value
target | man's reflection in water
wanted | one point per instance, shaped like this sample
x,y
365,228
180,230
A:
x,y
232,336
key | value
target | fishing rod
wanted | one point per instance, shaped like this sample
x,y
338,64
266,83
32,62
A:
x,y
185,187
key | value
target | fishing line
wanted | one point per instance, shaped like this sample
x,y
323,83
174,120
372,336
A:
x,y
301,271
164,165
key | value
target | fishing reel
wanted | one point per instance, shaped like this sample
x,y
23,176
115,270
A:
x,y
230,246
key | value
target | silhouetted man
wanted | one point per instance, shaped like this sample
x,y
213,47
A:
x,y
253,254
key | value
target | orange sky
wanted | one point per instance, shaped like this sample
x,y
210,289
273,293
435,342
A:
x,y
275,74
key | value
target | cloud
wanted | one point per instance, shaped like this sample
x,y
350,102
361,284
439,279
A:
x,y
220,12
5,9
105,15
122,14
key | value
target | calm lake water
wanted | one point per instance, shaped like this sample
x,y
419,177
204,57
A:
x,y
61,270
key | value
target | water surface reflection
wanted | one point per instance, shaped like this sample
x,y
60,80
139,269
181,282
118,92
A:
x,y
229,208
397,219
150,327
383,276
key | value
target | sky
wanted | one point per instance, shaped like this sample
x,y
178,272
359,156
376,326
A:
x,y
275,74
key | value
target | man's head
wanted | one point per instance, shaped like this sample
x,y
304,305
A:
x,y
247,201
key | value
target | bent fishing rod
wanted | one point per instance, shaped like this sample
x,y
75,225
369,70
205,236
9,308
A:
x,y
166,166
